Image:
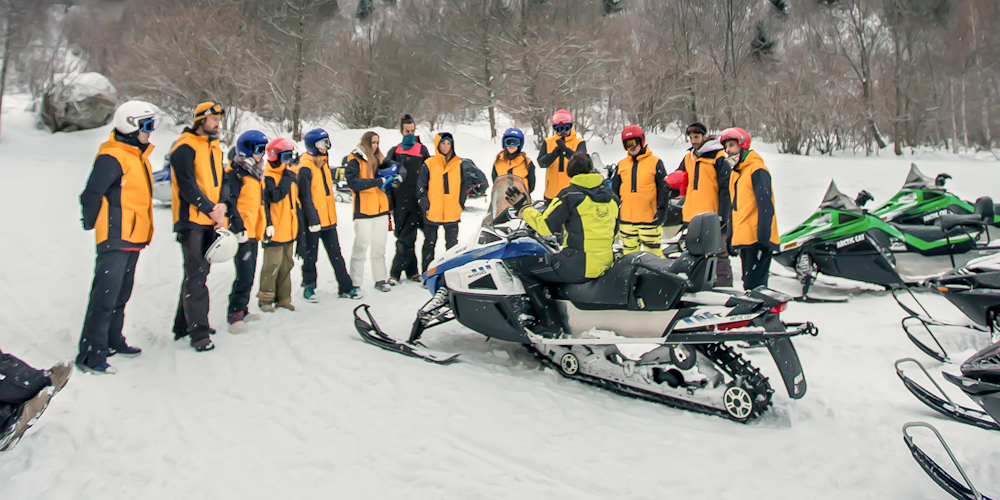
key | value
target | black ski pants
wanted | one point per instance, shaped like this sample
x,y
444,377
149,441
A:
x,y
19,382
192,306
408,223
756,265
114,275
332,244
431,237
535,271
246,270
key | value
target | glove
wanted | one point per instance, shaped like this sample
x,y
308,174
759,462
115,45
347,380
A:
x,y
425,204
241,237
561,143
315,228
397,180
269,232
733,160
516,198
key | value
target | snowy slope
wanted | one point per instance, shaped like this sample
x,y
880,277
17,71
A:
x,y
301,408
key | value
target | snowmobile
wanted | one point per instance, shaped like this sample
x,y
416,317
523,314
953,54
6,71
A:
x,y
937,473
844,240
478,183
649,327
343,193
922,201
974,289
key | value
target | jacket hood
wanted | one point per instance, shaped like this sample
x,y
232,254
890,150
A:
x,y
594,185
359,152
712,146
437,142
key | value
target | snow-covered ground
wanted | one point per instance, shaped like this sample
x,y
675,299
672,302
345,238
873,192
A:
x,y
302,408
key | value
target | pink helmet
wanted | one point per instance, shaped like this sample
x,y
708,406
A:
x,y
562,117
277,146
735,134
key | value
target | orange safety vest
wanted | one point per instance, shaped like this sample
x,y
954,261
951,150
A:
x,y
556,178
745,216
135,225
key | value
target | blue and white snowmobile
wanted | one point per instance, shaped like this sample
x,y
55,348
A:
x,y
688,330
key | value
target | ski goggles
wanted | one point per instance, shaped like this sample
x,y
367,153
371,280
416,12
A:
x,y
511,141
446,136
323,143
286,156
147,125
259,149
214,109
632,142
562,129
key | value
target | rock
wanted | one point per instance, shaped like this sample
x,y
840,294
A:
x,y
78,101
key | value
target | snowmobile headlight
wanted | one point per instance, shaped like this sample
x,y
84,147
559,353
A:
x,y
790,245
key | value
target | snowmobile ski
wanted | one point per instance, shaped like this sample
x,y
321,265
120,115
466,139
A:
x,y
945,406
940,476
371,333
924,320
818,300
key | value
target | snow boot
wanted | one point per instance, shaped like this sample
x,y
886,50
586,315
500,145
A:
x,y
393,281
30,411
59,375
267,307
288,306
239,327
354,294
203,345
309,293
250,318
415,278
382,286
101,369
127,352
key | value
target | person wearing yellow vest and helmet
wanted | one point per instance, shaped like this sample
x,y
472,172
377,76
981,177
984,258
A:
x,y
441,192
118,205
555,153
244,175
514,161
705,187
198,205
640,182
586,214
319,211
281,215
371,209
754,226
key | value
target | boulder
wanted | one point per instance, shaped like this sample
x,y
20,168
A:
x,y
78,101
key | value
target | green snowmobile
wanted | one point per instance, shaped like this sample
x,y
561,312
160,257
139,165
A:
x,y
923,200
844,240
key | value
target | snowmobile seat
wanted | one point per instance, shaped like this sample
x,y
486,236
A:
x,y
984,212
703,242
932,233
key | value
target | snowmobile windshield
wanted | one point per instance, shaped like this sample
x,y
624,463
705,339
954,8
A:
x,y
916,179
498,196
835,200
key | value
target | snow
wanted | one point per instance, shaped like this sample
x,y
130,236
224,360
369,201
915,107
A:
x,y
300,407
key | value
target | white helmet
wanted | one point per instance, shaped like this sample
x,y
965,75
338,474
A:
x,y
130,114
223,248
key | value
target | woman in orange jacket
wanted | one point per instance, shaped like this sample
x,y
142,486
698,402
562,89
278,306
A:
x,y
441,192
514,161
244,176
371,209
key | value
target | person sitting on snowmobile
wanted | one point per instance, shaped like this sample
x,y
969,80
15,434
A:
x,y
586,213
754,226
24,394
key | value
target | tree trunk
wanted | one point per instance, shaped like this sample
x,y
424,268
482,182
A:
x,y
3,65
897,125
954,120
297,83
965,123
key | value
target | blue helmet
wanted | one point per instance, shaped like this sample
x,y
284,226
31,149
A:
x,y
250,142
515,133
312,137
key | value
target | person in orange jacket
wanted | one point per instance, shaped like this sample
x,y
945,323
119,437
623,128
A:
x,y
371,208
706,187
118,205
441,191
555,153
319,211
245,174
281,211
512,160
640,183
754,225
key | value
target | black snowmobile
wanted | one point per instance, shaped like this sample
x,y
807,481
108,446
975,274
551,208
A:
x,y
477,182
649,327
974,289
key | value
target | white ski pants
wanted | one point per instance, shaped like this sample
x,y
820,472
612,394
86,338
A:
x,y
369,233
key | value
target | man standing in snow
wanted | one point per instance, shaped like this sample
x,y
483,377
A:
x,y
640,183
118,204
706,186
410,155
198,192
754,225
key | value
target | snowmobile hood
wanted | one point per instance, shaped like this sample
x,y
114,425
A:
x,y
915,179
712,146
984,364
836,200
594,186
990,263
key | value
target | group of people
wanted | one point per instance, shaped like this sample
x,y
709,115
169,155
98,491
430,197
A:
x,y
267,196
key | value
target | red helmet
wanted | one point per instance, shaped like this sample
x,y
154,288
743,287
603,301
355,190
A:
x,y
633,132
277,146
735,134
562,117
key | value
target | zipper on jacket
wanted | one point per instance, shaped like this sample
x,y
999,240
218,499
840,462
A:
x,y
635,174
211,159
